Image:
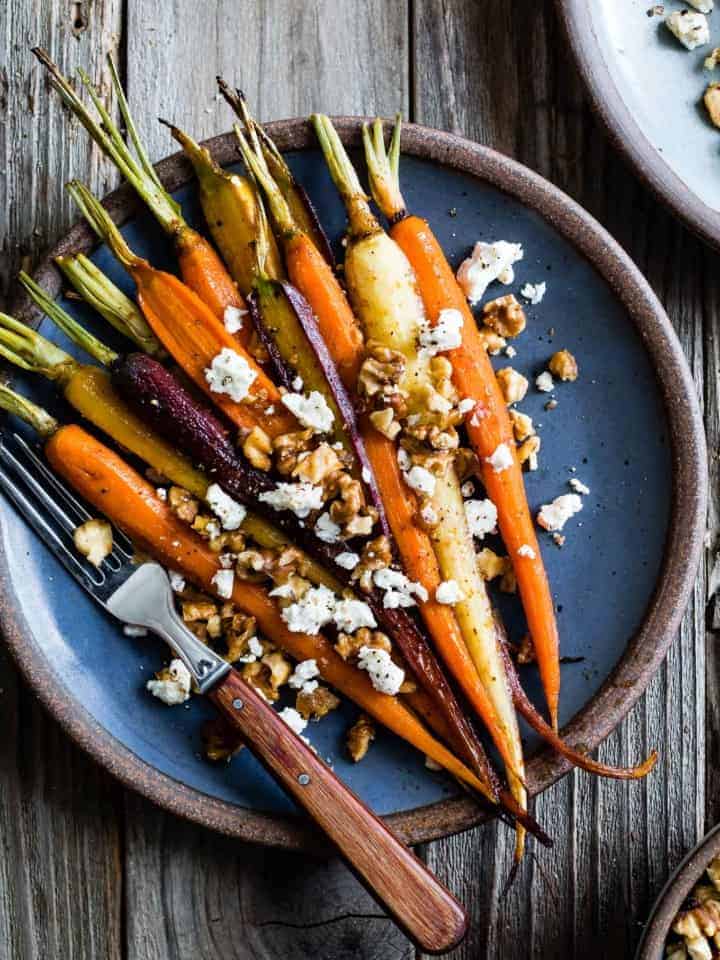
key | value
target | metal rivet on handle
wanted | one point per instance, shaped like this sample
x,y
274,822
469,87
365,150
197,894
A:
x,y
238,704
303,779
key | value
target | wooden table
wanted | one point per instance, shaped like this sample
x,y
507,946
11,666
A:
x,y
90,871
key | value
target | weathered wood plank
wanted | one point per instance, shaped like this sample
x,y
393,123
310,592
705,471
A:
x,y
615,843
189,892
60,871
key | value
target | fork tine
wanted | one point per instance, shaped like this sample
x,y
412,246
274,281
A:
x,y
46,531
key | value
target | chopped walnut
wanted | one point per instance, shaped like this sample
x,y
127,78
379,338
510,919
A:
x,y
514,385
197,609
466,463
268,674
522,425
385,423
490,565
349,510
257,447
526,650
563,365
381,371
360,736
238,628
317,703
505,316
288,447
252,565
493,342
318,465
348,645
439,436
220,740
376,555
183,504
508,581
528,451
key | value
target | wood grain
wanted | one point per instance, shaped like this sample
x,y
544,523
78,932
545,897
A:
x,y
60,867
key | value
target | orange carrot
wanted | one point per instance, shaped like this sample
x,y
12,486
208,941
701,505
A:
x,y
130,502
488,427
205,273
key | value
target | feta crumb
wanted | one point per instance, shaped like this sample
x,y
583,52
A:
x,y
326,529
399,591
297,384
301,498
366,475
233,319
544,382
428,514
313,611
231,374
481,516
488,262
578,486
534,292
304,671
467,489
403,459
255,651
293,719
230,513
526,551
177,581
351,615
510,351
270,410
347,560
449,592
446,334
130,630
553,516
501,458
175,687
386,676
466,405
691,29
431,764
420,479
162,493
704,6
312,410
223,581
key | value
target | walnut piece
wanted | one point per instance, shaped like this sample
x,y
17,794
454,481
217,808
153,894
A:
x,y
381,371
563,365
505,316
522,425
288,447
359,737
317,703
528,450
268,674
526,650
318,465
376,555
220,740
349,644
385,423
257,447
493,342
514,385
183,504
490,565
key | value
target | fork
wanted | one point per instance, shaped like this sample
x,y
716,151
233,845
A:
x,y
140,595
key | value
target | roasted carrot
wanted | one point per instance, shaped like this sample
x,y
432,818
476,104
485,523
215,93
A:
x,y
188,329
488,424
202,269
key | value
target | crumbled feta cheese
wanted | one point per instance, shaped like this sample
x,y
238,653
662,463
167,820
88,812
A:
x,y
233,319
350,615
554,516
467,489
544,382
313,611
704,6
510,351
304,671
431,764
366,475
162,493
285,591
481,517
399,591
255,651
446,334
231,374
578,486
270,410
297,384
501,458
691,29
421,480
449,592
347,560
312,410
488,262
130,630
326,529
177,581
175,688
386,676
534,292
301,498
403,459
428,514
230,513
526,551
466,405
223,581
293,719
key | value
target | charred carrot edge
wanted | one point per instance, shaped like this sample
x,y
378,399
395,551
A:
x,y
119,492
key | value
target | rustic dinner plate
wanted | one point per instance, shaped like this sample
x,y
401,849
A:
x,y
629,428
647,89
673,894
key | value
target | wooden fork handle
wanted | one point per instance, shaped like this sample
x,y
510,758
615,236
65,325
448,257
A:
x,y
402,884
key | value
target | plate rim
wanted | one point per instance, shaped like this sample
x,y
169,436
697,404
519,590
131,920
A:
x,y
626,136
645,651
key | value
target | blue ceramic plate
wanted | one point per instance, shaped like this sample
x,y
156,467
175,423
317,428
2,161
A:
x,y
620,581
647,89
